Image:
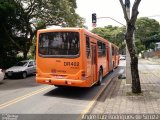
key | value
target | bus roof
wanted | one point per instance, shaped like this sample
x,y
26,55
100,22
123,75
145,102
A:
x,y
75,29
66,28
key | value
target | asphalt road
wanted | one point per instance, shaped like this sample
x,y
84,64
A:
x,y
25,96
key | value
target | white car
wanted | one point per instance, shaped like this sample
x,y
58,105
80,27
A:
x,y
122,57
1,75
22,68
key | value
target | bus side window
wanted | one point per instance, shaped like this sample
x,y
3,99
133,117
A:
x,y
112,51
104,49
116,51
101,49
87,47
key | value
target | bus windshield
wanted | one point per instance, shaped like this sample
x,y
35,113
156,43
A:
x,y
59,44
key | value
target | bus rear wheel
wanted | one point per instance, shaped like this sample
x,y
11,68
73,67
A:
x,y
100,77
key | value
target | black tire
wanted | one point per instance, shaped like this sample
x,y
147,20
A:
x,y
100,77
58,86
112,70
24,75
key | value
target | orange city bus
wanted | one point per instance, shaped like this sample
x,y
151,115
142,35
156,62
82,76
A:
x,y
73,57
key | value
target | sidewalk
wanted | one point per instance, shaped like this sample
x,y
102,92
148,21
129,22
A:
x,y
154,60
118,99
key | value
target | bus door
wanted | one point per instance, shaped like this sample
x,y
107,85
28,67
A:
x,y
116,57
110,57
93,62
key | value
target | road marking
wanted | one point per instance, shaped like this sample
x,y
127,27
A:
x,y
92,102
18,99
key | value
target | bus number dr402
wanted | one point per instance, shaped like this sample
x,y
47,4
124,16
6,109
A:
x,y
71,63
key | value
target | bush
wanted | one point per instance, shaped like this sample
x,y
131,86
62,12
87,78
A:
x,y
6,62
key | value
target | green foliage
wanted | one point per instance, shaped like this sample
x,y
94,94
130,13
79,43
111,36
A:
x,y
147,32
20,19
33,50
140,47
57,12
9,61
41,25
113,34
6,9
6,46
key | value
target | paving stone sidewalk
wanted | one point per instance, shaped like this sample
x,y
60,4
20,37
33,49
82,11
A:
x,y
118,99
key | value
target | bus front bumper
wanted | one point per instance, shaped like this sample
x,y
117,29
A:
x,y
63,82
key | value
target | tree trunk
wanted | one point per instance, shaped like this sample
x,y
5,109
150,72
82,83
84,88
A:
x,y
25,55
27,46
136,87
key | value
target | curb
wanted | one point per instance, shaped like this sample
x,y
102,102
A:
x,y
99,94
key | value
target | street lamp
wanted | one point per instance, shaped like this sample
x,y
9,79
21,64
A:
x,y
94,20
111,19
128,59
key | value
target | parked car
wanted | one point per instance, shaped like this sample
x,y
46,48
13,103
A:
x,y
1,75
22,68
122,57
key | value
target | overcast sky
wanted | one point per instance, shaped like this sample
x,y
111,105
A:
x,y
112,8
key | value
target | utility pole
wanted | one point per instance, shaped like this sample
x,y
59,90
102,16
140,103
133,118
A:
x,y
128,59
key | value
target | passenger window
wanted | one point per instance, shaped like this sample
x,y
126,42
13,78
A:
x,y
112,51
87,47
101,49
104,49
30,64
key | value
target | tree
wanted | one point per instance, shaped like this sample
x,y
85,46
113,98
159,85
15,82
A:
x,y
113,34
7,50
30,15
136,86
147,32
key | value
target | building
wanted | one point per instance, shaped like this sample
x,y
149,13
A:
x,y
157,46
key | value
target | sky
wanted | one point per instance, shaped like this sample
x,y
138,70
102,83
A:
x,y
112,8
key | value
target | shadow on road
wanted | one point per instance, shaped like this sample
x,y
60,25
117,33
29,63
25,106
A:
x,y
74,92
1,82
81,93
19,77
